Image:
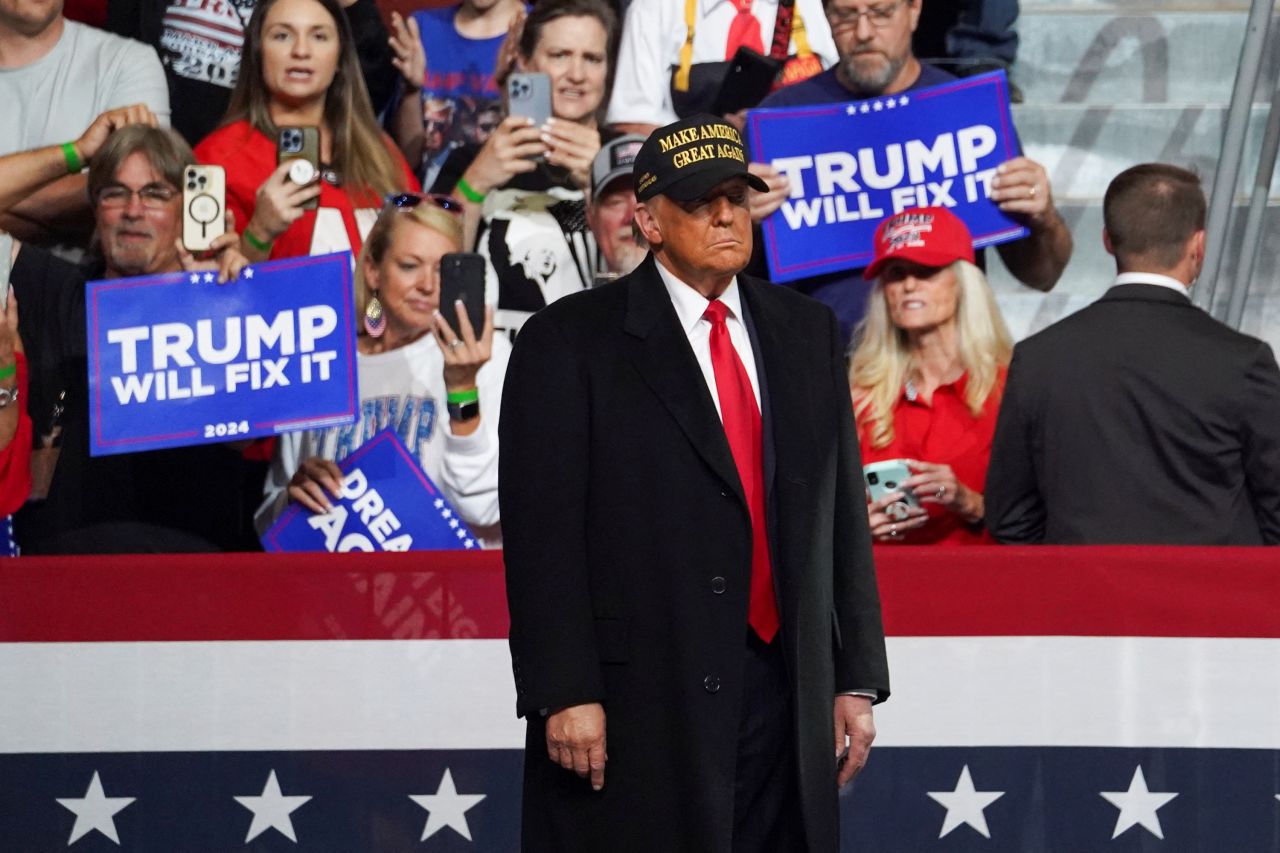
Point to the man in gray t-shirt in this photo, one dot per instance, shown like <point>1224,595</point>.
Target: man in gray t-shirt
<point>55,77</point>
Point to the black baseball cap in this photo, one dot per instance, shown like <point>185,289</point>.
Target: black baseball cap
<point>687,158</point>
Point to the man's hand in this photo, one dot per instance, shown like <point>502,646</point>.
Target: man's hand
<point>763,204</point>
<point>112,120</point>
<point>575,741</point>
<point>855,730</point>
<point>1021,189</point>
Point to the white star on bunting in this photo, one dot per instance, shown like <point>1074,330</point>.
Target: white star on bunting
<point>850,110</point>
<point>965,805</point>
<point>195,278</point>
<point>247,272</point>
<point>1138,805</point>
<point>903,101</point>
<point>95,810</point>
<point>877,106</point>
<point>271,810</point>
<point>208,278</point>
<point>446,807</point>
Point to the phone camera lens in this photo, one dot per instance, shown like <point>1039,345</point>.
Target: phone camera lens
<point>191,185</point>
<point>873,478</point>
<point>890,484</point>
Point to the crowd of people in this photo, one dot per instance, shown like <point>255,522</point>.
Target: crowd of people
<point>1140,420</point>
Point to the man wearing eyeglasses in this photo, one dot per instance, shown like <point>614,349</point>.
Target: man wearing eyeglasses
<point>131,502</point>
<point>874,43</point>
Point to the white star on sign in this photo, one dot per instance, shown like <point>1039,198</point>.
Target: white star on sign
<point>95,810</point>
<point>903,101</point>
<point>877,106</point>
<point>1138,805</point>
<point>965,805</point>
<point>447,808</point>
<point>208,278</point>
<point>850,110</point>
<point>471,543</point>
<point>195,278</point>
<point>271,810</point>
<point>439,503</point>
<point>247,272</point>
<point>891,103</point>
<point>864,109</point>
<point>447,514</point>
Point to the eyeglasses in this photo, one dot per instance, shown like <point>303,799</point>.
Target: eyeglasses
<point>408,201</point>
<point>152,196</point>
<point>878,16</point>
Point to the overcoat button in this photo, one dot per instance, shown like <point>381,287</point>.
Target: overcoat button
<point>711,683</point>
<point>717,585</point>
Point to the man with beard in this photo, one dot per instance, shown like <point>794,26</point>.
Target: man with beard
<point>130,502</point>
<point>874,42</point>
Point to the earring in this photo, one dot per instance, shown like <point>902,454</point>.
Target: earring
<point>375,322</point>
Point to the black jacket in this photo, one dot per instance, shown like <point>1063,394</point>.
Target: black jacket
<point>628,554</point>
<point>1140,419</point>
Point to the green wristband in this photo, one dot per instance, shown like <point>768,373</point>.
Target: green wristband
<point>468,193</point>
<point>6,372</point>
<point>470,395</point>
<point>255,242</point>
<point>69,153</point>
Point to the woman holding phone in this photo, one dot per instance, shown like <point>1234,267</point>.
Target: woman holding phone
<point>437,381</point>
<point>300,70</point>
<point>524,189</point>
<point>927,375</point>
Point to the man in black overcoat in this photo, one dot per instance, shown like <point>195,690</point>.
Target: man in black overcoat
<point>661,716</point>
<point>1140,419</point>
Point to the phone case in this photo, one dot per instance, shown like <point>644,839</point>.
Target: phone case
<point>462,276</point>
<point>529,95</point>
<point>300,143</point>
<point>885,477</point>
<point>204,206</point>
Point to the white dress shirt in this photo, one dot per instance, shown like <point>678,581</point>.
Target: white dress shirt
<point>655,31</point>
<point>690,305</point>
<point>1152,278</point>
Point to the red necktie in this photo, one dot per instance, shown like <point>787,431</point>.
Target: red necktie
<point>744,30</point>
<point>743,428</point>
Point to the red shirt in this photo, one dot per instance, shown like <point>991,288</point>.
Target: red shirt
<point>15,458</point>
<point>943,431</point>
<point>335,226</point>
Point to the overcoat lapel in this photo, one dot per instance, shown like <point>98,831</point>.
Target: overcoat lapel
<point>665,361</point>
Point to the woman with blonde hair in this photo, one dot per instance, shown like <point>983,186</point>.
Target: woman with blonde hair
<point>299,69</point>
<point>438,388</point>
<point>927,375</point>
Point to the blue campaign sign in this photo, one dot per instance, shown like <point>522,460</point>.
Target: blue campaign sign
<point>388,503</point>
<point>179,359</point>
<point>851,165</point>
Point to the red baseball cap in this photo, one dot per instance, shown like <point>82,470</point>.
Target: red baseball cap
<point>929,236</point>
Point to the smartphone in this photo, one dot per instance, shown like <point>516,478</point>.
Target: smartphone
<point>750,77</point>
<point>204,206</point>
<point>301,144</point>
<point>529,95</point>
<point>885,477</point>
<point>462,277</point>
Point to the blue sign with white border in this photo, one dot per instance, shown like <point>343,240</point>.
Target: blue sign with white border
<point>388,503</point>
<point>850,165</point>
<point>178,359</point>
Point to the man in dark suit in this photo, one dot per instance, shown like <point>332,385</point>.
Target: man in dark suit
<point>694,611</point>
<point>1140,419</point>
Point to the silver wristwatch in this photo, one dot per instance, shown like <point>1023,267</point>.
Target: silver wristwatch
<point>7,397</point>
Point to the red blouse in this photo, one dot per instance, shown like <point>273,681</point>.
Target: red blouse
<point>942,431</point>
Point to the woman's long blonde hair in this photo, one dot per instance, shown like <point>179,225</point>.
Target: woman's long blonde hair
<point>359,150</point>
<point>883,362</point>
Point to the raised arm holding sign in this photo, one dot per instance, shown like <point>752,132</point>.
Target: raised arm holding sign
<point>874,42</point>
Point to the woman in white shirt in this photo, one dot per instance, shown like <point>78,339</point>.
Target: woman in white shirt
<point>439,390</point>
